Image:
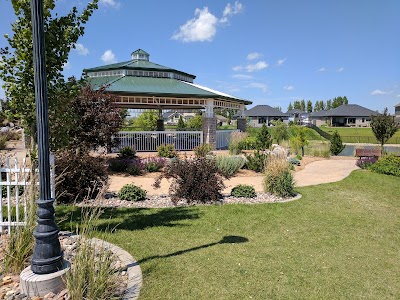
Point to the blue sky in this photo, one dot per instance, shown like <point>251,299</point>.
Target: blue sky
<point>269,52</point>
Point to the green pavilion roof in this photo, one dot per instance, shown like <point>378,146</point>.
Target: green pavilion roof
<point>166,87</point>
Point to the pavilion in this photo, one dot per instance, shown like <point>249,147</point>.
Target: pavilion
<point>141,84</point>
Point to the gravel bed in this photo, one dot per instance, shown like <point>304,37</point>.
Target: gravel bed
<point>164,201</point>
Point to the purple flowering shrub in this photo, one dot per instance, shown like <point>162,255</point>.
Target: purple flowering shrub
<point>366,162</point>
<point>154,164</point>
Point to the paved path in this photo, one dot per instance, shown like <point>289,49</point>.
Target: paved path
<point>323,171</point>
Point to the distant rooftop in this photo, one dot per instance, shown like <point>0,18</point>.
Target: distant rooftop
<point>264,111</point>
<point>345,110</point>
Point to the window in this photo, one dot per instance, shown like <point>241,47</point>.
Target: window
<point>363,120</point>
<point>262,120</point>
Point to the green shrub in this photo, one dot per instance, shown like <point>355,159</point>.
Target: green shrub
<point>278,179</point>
<point>167,150</point>
<point>131,192</point>
<point>256,162</point>
<point>79,176</point>
<point>243,190</point>
<point>229,165</point>
<point>195,180</point>
<point>202,150</point>
<point>389,165</point>
<point>127,152</point>
<point>299,157</point>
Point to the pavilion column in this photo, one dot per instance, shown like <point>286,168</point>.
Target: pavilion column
<point>241,120</point>
<point>210,125</point>
<point>160,121</point>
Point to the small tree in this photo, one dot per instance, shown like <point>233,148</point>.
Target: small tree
<point>336,143</point>
<point>383,127</point>
<point>181,124</point>
<point>280,132</point>
<point>299,140</point>
<point>290,106</point>
<point>264,139</point>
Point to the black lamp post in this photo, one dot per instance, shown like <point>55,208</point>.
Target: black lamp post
<point>47,256</point>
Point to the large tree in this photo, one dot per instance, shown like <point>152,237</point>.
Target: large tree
<point>383,127</point>
<point>16,69</point>
<point>309,106</point>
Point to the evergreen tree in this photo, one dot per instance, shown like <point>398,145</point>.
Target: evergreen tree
<point>345,101</point>
<point>383,127</point>
<point>290,107</point>
<point>278,108</point>
<point>336,143</point>
<point>264,139</point>
<point>181,124</point>
<point>297,105</point>
<point>309,106</point>
<point>303,105</point>
<point>329,104</point>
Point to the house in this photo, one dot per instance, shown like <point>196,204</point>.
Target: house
<point>349,115</point>
<point>172,117</point>
<point>397,112</point>
<point>297,115</point>
<point>261,114</point>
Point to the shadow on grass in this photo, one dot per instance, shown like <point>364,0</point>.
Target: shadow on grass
<point>230,239</point>
<point>69,217</point>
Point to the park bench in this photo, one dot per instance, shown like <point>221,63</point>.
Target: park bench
<point>368,152</point>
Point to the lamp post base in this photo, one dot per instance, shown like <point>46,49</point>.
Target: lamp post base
<point>40,285</point>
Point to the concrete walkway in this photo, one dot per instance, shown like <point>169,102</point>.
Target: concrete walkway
<point>323,171</point>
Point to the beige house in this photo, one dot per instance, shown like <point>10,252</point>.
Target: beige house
<point>346,115</point>
<point>263,114</point>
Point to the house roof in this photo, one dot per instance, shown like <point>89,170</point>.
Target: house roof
<point>345,110</point>
<point>295,111</point>
<point>397,105</point>
<point>263,111</point>
<point>157,87</point>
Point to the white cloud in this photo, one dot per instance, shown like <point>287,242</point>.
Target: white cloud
<point>81,49</point>
<point>398,96</point>
<point>341,69</point>
<point>231,10</point>
<point>280,62</point>
<point>253,55</point>
<point>237,68</point>
<point>67,65</point>
<point>257,85</point>
<point>108,57</point>
<point>257,66</point>
<point>110,3</point>
<point>380,92</point>
<point>321,70</point>
<point>242,76</point>
<point>199,29</point>
<point>288,87</point>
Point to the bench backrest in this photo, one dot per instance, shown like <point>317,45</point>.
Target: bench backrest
<point>368,152</point>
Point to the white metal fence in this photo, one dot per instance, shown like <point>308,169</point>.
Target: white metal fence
<point>15,177</point>
<point>223,138</point>
<point>150,140</point>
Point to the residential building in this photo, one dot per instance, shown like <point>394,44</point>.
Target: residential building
<point>264,114</point>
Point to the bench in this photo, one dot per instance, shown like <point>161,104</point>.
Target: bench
<point>368,152</point>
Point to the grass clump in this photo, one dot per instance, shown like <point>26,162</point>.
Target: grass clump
<point>236,142</point>
<point>131,192</point>
<point>229,165</point>
<point>243,190</point>
<point>93,274</point>
<point>278,179</point>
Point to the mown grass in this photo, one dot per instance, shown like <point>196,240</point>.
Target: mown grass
<point>340,241</point>
<point>359,135</point>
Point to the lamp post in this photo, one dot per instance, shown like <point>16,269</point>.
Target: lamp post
<point>47,256</point>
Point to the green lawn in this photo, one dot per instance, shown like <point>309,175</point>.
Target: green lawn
<point>359,135</point>
<point>340,241</point>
